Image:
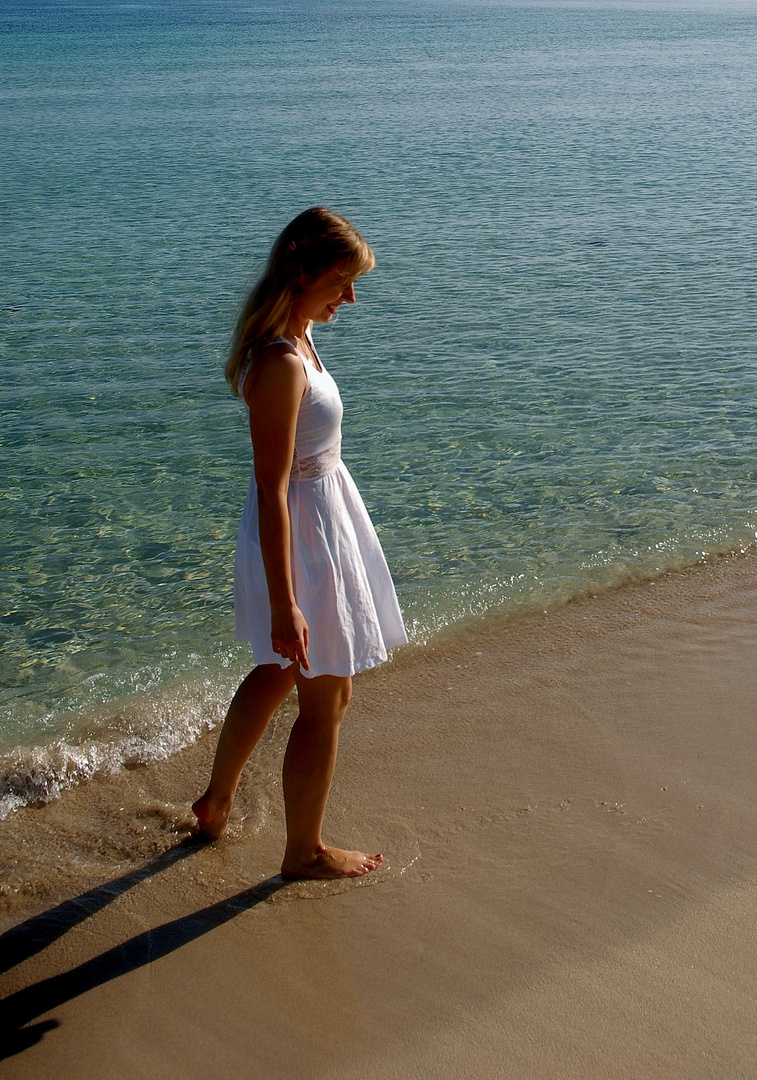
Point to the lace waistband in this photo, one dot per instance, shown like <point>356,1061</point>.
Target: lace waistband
<point>310,468</point>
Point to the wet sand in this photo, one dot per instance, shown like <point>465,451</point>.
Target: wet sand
<point>567,803</point>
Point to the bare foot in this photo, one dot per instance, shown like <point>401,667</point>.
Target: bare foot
<point>329,862</point>
<point>212,816</point>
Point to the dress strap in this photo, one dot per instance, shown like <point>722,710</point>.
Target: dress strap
<point>317,366</point>
<point>305,364</point>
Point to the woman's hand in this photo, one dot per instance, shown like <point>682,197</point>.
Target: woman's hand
<point>289,634</point>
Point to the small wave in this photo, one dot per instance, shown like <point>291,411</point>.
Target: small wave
<point>143,731</point>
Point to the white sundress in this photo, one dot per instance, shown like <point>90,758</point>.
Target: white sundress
<point>340,578</point>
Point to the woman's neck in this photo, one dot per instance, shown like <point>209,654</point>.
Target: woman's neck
<point>298,327</point>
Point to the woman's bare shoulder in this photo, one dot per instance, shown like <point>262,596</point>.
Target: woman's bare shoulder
<point>279,367</point>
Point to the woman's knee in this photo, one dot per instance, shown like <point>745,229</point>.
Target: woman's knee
<point>345,693</point>
<point>325,697</point>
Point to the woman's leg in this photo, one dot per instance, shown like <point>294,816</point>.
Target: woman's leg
<point>308,768</point>
<point>250,711</point>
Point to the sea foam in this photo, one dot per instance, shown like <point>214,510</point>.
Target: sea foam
<point>143,730</point>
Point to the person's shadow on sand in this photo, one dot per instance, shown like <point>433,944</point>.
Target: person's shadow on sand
<point>30,937</point>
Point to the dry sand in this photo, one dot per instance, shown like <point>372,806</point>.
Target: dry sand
<point>568,807</point>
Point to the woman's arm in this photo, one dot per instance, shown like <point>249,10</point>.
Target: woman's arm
<point>273,392</point>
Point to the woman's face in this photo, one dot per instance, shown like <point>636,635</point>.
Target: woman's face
<point>321,296</point>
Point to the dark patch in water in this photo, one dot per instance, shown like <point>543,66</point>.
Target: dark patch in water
<point>18,617</point>
<point>53,635</point>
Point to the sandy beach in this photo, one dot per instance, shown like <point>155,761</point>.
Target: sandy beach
<point>567,805</point>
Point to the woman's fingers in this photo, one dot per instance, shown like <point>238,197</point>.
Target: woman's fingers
<point>294,647</point>
<point>304,662</point>
<point>289,635</point>
<point>301,651</point>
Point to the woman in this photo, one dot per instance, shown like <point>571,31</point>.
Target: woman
<point>313,593</point>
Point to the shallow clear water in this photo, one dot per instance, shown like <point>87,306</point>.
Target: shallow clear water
<point>549,379</point>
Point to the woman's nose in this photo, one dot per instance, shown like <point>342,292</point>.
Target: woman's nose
<point>348,294</point>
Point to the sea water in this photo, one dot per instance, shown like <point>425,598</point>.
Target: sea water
<point>549,379</point>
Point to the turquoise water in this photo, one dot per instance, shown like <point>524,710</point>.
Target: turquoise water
<point>549,379</point>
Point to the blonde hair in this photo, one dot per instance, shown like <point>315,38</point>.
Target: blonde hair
<point>315,242</point>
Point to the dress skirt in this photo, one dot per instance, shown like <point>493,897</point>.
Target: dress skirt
<point>340,577</point>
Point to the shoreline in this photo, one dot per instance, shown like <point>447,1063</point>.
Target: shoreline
<point>149,727</point>
<point>566,804</point>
